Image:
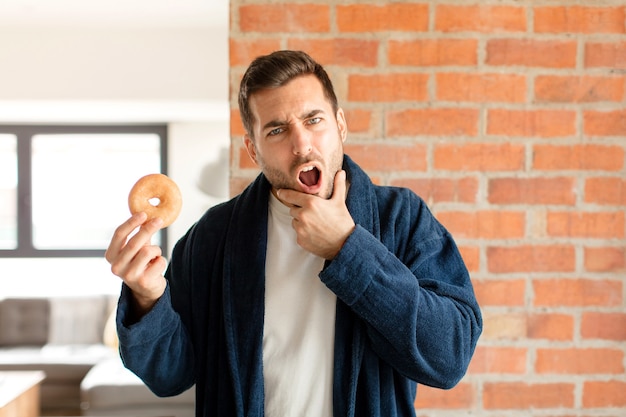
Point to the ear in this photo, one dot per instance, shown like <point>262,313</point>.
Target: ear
<point>250,147</point>
<point>342,125</point>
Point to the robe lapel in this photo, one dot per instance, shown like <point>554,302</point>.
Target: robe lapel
<point>349,332</point>
<point>244,296</point>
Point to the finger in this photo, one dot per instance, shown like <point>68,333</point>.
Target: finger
<point>142,237</point>
<point>121,259</point>
<point>339,188</point>
<point>156,267</point>
<point>147,230</point>
<point>291,197</point>
<point>146,256</point>
<point>120,236</point>
<point>146,264</point>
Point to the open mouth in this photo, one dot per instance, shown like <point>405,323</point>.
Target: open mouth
<point>309,176</point>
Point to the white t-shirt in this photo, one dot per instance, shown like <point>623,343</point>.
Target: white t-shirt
<point>299,326</point>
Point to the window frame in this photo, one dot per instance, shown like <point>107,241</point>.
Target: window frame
<point>24,135</point>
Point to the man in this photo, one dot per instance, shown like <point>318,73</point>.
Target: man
<point>314,292</point>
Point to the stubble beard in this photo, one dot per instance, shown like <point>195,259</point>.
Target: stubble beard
<point>281,180</point>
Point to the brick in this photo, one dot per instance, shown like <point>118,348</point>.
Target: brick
<point>605,259</point>
<point>339,51</point>
<point>438,190</point>
<point>577,293</point>
<point>238,183</point>
<point>479,157</point>
<point>461,397</point>
<point>606,191</point>
<point>586,224</point>
<point>488,224</point>
<point>501,292</point>
<point>376,179</point>
<point>606,326</point>
<point>604,394</point>
<point>291,18</point>
<point>575,361</point>
<point>436,122</point>
<point>504,326</point>
<point>531,123</point>
<point>486,19</point>
<point>605,54</point>
<point>578,89</point>
<point>559,190</point>
<point>388,87</point>
<point>236,126</point>
<point>358,120</point>
<point>498,360</point>
<point>242,52</point>
<point>577,19</point>
<point>524,396</point>
<point>518,326</point>
<point>605,123</point>
<point>387,158</point>
<point>387,17</point>
<point>551,326</point>
<point>433,52</point>
<point>526,258</point>
<point>471,257</point>
<point>578,157</point>
<point>531,53</point>
<point>481,88</point>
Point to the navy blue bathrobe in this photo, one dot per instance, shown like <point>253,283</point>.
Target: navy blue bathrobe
<point>406,311</point>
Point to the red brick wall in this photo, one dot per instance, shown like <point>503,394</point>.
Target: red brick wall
<point>509,119</point>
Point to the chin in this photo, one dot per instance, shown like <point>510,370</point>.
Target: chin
<point>326,193</point>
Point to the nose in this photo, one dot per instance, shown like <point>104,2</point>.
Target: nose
<point>301,141</point>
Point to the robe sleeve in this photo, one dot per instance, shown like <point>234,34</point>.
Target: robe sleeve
<point>157,348</point>
<point>412,290</point>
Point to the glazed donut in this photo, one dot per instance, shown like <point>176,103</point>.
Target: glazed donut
<point>160,188</point>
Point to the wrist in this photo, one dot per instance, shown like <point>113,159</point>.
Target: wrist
<point>143,303</point>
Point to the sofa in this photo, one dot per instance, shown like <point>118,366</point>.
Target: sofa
<point>109,389</point>
<point>72,340</point>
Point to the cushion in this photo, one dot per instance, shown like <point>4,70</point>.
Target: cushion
<point>64,366</point>
<point>78,320</point>
<point>70,362</point>
<point>110,337</point>
<point>24,322</point>
<point>110,385</point>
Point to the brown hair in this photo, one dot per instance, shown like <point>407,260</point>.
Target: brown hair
<point>275,70</point>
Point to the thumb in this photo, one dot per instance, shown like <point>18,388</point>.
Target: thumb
<point>339,188</point>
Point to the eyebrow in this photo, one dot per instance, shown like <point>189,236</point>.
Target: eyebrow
<point>278,123</point>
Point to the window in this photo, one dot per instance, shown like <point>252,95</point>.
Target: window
<point>64,189</point>
<point>8,191</point>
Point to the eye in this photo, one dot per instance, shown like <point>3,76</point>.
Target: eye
<point>276,131</point>
<point>314,120</point>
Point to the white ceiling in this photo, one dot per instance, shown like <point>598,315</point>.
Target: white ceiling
<point>126,13</point>
<point>31,30</point>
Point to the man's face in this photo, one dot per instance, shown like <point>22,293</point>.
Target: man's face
<point>298,141</point>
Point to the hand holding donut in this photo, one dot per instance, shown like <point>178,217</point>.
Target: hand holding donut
<point>137,262</point>
<point>134,259</point>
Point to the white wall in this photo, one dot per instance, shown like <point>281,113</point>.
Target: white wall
<point>173,75</point>
<point>199,164</point>
<point>99,63</point>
